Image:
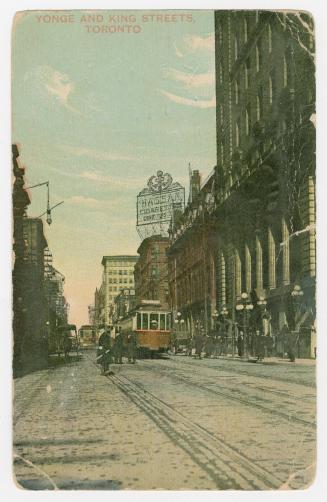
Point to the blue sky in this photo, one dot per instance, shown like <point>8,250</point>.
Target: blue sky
<point>97,115</point>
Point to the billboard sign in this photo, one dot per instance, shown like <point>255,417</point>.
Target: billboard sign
<point>155,203</point>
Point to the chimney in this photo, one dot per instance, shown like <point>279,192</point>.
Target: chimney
<point>195,184</point>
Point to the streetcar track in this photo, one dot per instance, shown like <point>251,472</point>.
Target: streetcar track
<point>236,398</point>
<point>246,373</point>
<point>246,384</point>
<point>223,463</point>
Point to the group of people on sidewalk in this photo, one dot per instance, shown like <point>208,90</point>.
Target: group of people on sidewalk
<point>214,345</point>
<point>111,350</point>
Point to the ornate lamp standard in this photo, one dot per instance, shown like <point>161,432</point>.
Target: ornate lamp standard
<point>224,316</point>
<point>297,298</point>
<point>262,303</point>
<point>244,304</point>
<point>179,321</point>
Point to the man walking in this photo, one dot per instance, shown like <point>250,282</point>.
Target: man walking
<point>132,347</point>
<point>119,348</point>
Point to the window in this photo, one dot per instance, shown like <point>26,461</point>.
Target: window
<point>120,272</point>
<point>236,87</point>
<point>285,71</point>
<point>125,280</point>
<point>145,321</point>
<point>259,104</point>
<point>271,88</point>
<point>269,38</point>
<point>131,281</point>
<point>110,280</point>
<point>247,71</point>
<point>236,47</point>
<point>154,321</point>
<point>247,120</point>
<point>120,280</point>
<point>162,322</point>
<point>246,30</point>
<point>258,55</point>
<point>138,320</point>
<point>237,133</point>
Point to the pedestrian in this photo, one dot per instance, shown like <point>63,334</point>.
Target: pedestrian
<point>199,345</point>
<point>240,344</point>
<point>189,346</point>
<point>118,350</point>
<point>104,356</point>
<point>131,347</point>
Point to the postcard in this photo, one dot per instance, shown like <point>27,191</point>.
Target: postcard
<point>164,271</point>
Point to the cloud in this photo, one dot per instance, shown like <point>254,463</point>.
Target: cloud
<point>95,154</point>
<point>191,79</point>
<point>93,204</point>
<point>178,53</point>
<point>56,84</point>
<point>112,180</point>
<point>194,42</point>
<point>195,102</point>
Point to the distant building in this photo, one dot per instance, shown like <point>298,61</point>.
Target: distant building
<point>151,271</point>
<point>118,273</point>
<point>124,302</point>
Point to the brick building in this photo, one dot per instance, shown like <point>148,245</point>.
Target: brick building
<point>254,216</point>
<point>151,270</point>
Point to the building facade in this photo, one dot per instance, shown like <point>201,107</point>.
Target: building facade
<point>253,223</point>
<point>151,270</point>
<point>124,303</point>
<point>118,274</point>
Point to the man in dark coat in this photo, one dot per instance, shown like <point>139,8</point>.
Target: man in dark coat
<point>199,345</point>
<point>132,347</point>
<point>104,351</point>
<point>119,348</point>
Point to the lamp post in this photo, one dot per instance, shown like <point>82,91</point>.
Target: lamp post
<point>179,322</point>
<point>297,298</point>
<point>49,209</point>
<point>262,302</point>
<point>224,316</point>
<point>244,304</point>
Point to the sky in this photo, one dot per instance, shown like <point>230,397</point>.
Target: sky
<point>97,113</point>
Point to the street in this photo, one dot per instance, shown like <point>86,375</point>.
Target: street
<point>170,423</point>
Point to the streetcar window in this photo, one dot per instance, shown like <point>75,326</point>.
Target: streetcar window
<point>162,322</point>
<point>138,321</point>
<point>145,321</point>
<point>154,321</point>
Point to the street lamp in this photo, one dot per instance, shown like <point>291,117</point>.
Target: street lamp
<point>244,304</point>
<point>224,315</point>
<point>49,209</point>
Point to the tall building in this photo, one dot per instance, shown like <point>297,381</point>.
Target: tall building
<point>118,274</point>
<point>253,222</point>
<point>151,271</point>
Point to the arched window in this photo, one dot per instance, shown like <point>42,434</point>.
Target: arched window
<point>259,104</point>
<point>247,120</point>
<point>258,55</point>
<point>246,30</point>
<point>237,134</point>
<point>271,88</point>
<point>269,38</point>
<point>236,47</point>
<point>285,71</point>
<point>247,71</point>
<point>237,90</point>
